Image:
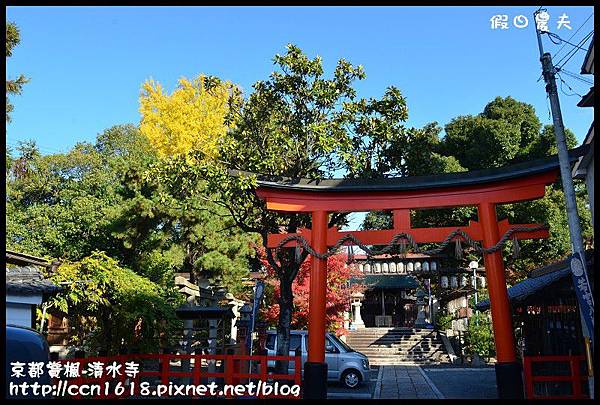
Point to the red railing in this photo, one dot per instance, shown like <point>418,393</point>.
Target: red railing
<point>575,377</point>
<point>236,370</point>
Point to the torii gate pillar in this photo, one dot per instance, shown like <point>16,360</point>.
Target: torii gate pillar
<point>508,370</point>
<point>315,369</point>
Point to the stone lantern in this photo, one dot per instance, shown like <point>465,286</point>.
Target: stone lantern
<point>357,322</point>
<point>421,321</point>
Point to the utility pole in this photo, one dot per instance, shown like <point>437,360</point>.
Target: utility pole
<point>578,261</point>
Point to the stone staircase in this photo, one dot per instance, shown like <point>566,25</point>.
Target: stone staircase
<point>389,346</point>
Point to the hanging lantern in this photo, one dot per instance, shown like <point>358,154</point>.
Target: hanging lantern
<point>401,268</point>
<point>444,281</point>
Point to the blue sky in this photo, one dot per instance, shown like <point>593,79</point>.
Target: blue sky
<point>86,64</point>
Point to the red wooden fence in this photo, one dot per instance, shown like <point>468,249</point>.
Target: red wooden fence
<point>235,371</point>
<point>575,377</point>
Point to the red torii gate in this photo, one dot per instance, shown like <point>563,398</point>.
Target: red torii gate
<point>484,189</point>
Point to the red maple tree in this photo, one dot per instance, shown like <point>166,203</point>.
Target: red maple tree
<point>339,292</point>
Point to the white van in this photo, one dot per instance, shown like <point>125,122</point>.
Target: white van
<point>344,364</point>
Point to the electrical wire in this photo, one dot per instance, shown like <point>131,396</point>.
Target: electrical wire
<point>567,84</point>
<point>569,55</point>
<point>575,76</point>
<point>553,35</point>
<point>572,53</point>
<point>571,37</point>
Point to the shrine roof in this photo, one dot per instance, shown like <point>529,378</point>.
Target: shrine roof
<point>387,281</point>
<point>445,180</point>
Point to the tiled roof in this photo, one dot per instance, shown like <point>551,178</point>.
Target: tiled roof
<point>28,280</point>
<point>529,286</point>
<point>540,278</point>
<point>387,281</point>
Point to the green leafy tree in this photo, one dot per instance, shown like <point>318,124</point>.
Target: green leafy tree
<point>69,198</point>
<point>13,87</point>
<point>506,132</point>
<point>117,196</point>
<point>111,308</point>
<point>170,212</point>
<point>298,123</point>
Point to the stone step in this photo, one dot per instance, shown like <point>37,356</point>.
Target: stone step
<point>397,357</point>
<point>391,331</point>
<point>387,354</point>
<point>391,346</point>
<point>390,341</point>
<point>395,344</point>
<point>391,337</point>
<point>408,363</point>
<point>398,349</point>
<point>421,357</point>
<point>357,346</point>
<point>404,337</point>
<point>392,334</point>
<point>386,362</point>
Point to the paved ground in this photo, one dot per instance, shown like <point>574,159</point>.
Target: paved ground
<point>422,382</point>
<point>364,391</point>
<point>463,383</point>
<point>404,382</point>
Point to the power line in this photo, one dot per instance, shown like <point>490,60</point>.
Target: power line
<point>575,76</point>
<point>553,35</point>
<point>567,84</point>
<point>571,37</point>
<point>571,53</point>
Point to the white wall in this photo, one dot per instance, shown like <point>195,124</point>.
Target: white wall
<point>19,314</point>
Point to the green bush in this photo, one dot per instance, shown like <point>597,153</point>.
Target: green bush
<point>480,337</point>
<point>110,307</point>
<point>443,320</point>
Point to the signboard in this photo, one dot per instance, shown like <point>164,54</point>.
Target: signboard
<point>584,292</point>
<point>259,289</point>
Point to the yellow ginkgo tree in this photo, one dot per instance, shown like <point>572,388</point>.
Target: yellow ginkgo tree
<point>190,118</point>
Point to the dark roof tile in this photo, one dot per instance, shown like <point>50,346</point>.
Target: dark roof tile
<point>28,280</point>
